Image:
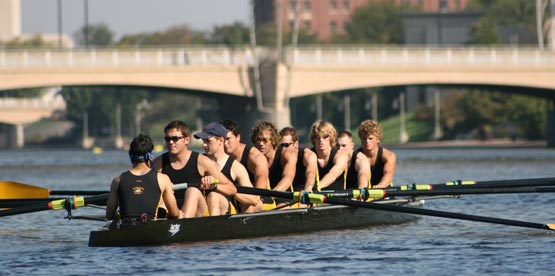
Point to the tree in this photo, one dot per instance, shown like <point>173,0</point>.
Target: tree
<point>377,22</point>
<point>175,35</point>
<point>94,35</point>
<point>234,35</point>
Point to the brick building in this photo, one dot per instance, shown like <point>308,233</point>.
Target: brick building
<point>328,17</point>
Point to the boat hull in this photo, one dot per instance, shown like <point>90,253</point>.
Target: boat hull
<point>269,223</point>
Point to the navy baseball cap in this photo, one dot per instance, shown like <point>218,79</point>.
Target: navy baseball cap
<point>211,129</point>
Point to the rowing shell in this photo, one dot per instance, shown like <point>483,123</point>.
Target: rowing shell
<point>240,226</point>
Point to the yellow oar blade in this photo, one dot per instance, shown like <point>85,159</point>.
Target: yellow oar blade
<point>15,190</point>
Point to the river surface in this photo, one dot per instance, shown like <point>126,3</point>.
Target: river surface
<point>44,243</point>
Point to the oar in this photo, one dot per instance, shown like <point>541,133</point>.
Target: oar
<point>531,182</point>
<point>67,203</point>
<point>11,203</point>
<point>381,193</point>
<point>16,190</point>
<point>13,190</point>
<point>59,204</point>
<point>317,198</point>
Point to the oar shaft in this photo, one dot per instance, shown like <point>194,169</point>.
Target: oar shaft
<point>530,182</point>
<point>73,192</point>
<point>465,191</point>
<point>434,213</point>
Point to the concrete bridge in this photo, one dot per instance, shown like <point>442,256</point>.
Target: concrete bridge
<point>305,71</point>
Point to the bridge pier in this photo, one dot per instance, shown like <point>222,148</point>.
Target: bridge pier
<point>16,136</point>
<point>550,131</point>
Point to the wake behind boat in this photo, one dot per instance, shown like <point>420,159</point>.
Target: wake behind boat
<point>241,226</point>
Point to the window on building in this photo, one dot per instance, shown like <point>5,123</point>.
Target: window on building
<point>333,5</point>
<point>293,5</point>
<point>307,6</point>
<point>306,24</point>
<point>442,5</point>
<point>333,27</point>
<point>457,5</point>
<point>346,5</point>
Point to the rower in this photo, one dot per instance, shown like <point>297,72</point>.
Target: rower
<point>382,161</point>
<point>138,191</point>
<point>306,169</point>
<point>358,169</point>
<point>332,164</point>
<point>250,157</point>
<point>183,165</point>
<point>282,163</point>
<point>213,139</point>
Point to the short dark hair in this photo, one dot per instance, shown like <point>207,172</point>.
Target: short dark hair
<point>140,149</point>
<point>289,131</point>
<point>179,126</point>
<point>231,126</point>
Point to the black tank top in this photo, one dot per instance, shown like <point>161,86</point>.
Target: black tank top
<point>245,160</point>
<point>377,169</point>
<point>226,170</point>
<point>300,172</point>
<point>188,174</point>
<point>276,170</point>
<point>138,195</point>
<point>352,174</point>
<point>339,182</point>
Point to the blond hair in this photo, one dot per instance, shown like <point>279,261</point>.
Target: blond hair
<point>321,128</point>
<point>370,127</point>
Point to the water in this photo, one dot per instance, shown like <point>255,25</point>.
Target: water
<point>44,243</point>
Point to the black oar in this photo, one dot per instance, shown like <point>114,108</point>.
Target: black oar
<point>59,204</point>
<point>381,193</point>
<point>318,198</point>
<point>11,203</point>
<point>531,182</point>
<point>435,213</point>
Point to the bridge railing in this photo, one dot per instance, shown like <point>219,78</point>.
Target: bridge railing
<point>121,57</point>
<point>419,56</point>
<point>308,55</point>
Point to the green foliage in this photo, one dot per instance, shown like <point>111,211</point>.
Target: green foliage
<point>234,35</point>
<point>98,35</point>
<point>465,113</point>
<point>36,41</point>
<point>176,35</point>
<point>377,23</point>
<point>516,14</point>
<point>484,32</point>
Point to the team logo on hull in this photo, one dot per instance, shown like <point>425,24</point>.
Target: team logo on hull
<point>174,229</point>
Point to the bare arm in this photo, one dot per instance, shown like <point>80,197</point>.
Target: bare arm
<point>241,178</point>
<point>289,164</point>
<point>166,186</point>
<point>258,165</point>
<point>340,163</point>
<point>207,167</point>
<point>362,166</point>
<point>390,163</point>
<point>157,164</point>
<point>311,163</point>
<point>112,204</point>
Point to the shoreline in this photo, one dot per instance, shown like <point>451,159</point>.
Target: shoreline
<point>495,143</point>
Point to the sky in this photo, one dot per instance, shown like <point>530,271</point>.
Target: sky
<point>130,16</point>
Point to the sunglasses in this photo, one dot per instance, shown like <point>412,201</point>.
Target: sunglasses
<point>263,139</point>
<point>173,138</point>
<point>325,136</point>
<point>286,145</point>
